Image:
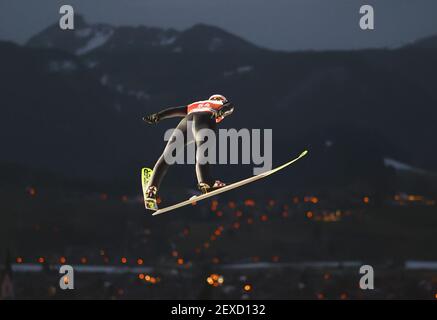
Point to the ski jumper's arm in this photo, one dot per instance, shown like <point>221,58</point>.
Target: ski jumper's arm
<point>166,114</point>
<point>172,112</point>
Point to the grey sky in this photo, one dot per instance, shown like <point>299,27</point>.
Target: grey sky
<point>279,24</point>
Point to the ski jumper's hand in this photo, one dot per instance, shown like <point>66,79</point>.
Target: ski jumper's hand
<point>166,114</point>
<point>151,119</point>
<point>225,110</point>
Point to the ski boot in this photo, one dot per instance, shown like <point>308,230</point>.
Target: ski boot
<point>205,188</point>
<point>150,200</point>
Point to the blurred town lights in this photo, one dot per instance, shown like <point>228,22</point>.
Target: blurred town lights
<point>31,191</point>
<point>249,203</point>
<point>215,280</point>
<point>247,287</point>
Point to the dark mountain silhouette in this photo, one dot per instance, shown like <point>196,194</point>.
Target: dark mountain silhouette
<point>425,43</point>
<point>78,111</point>
<point>88,38</point>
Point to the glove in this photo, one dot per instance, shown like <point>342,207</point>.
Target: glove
<point>225,110</point>
<point>151,119</point>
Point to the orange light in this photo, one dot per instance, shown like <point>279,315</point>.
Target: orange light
<point>249,203</point>
<point>214,204</point>
<point>31,191</point>
<point>217,232</point>
<point>158,200</point>
<point>66,280</point>
<point>309,214</point>
<point>296,200</point>
<point>83,260</point>
<point>215,280</point>
<point>213,238</point>
<point>206,245</point>
<point>247,287</point>
<point>19,260</point>
<point>140,261</point>
<point>320,296</point>
<point>215,260</point>
<point>147,277</point>
<point>62,260</point>
<point>124,198</point>
<point>366,200</point>
<point>180,261</point>
<point>174,253</point>
<point>343,296</point>
<point>123,260</point>
<point>236,225</point>
<point>41,260</point>
<point>141,276</point>
<point>264,218</point>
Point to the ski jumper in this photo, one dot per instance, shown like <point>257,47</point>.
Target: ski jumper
<point>202,115</point>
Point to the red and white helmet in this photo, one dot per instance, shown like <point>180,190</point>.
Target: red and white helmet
<point>218,97</point>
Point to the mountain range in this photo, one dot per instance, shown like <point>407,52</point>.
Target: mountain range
<point>72,101</point>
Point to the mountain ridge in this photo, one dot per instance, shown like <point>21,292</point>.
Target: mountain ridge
<point>87,38</point>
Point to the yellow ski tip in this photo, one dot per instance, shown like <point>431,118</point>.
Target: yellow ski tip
<point>303,154</point>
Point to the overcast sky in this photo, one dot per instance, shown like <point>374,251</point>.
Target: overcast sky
<point>278,24</point>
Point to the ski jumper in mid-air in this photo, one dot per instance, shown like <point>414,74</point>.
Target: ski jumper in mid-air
<point>203,115</point>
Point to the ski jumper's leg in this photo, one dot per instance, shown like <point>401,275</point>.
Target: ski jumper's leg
<point>161,165</point>
<point>202,120</point>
